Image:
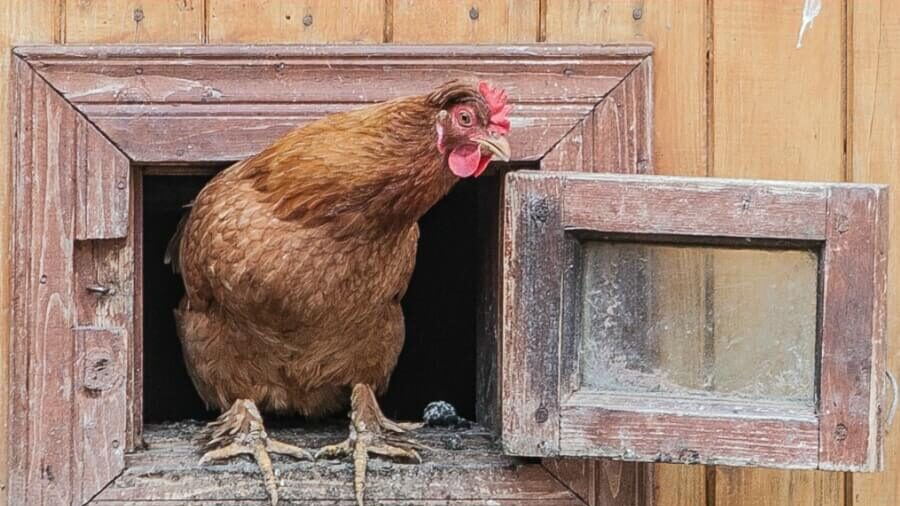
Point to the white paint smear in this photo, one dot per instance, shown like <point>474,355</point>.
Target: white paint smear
<point>811,9</point>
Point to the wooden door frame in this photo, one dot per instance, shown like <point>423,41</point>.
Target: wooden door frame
<point>87,118</point>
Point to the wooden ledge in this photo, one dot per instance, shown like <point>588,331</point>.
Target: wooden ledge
<point>464,467</point>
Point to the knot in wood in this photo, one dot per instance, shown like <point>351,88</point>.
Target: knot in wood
<point>843,223</point>
<point>99,370</point>
<point>540,210</point>
<point>841,432</point>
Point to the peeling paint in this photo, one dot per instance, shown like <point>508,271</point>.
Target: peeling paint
<point>811,9</point>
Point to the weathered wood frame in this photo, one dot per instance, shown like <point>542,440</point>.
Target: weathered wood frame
<point>546,414</point>
<point>87,120</point>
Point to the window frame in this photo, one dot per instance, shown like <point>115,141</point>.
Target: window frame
<point>545,415</point>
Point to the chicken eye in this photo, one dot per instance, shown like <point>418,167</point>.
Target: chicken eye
<point>465,119</point>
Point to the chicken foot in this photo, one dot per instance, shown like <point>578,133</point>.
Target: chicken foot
<point>240,431</point>
<point>371,433</point>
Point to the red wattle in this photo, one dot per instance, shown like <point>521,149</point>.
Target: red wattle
<point>482,164</point>
<point>465,160</point>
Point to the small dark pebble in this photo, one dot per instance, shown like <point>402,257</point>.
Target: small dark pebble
<point>443,414</point>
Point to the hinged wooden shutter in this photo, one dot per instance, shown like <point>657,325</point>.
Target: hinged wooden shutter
<point>585,257</point>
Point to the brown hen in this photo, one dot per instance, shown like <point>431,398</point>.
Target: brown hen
<point>295,261</point>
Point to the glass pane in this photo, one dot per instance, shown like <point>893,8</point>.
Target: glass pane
<point>715,322</point>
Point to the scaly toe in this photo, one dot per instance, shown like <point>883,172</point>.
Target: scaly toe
<point>281,448</point>
<point>335,451</point>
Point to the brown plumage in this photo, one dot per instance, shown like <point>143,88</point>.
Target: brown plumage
<point>295,260</point>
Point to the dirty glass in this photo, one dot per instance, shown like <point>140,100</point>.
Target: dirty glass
<point>698,321</point>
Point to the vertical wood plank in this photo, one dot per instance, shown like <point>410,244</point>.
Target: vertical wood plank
<point>41,463</point>
<point>874,142</point>
<point>777,488</point>
<point>679,80</point>
<point>678,32</point>
<point>307,21</point>
<point>21,22</point>
<point>777,114</point>
<point>134,21</point>
<point>456,21</point>
<point>778,108</point>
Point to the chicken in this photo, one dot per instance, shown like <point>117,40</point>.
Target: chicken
<point>295,261</point>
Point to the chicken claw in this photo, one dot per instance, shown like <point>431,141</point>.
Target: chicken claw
<point>240,431</point>
<point>371,432</point>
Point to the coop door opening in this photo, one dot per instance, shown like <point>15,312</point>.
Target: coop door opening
<point>441,306</point>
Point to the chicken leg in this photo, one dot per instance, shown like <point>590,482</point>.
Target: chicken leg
<point>371,432</point>
<point>240,431</point>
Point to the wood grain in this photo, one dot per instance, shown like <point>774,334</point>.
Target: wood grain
<point>853,325</point>
<point>41,374</point>
<point>21,22</point>
<point>491,21</point>
<point>475,472</point>
<point>232,132</point>
<point>778,109</point>
<point>777,113</point>
<point>622,126</point>
<point>541,283</point>
<point>102,175</point>
<point>59,373</point>
<point>872,146</point>
<point>668,205</point>
<point>100,408</point>
<point>663,437</point>
<point>103,280</point>
<point>304,21</point>
<point>874,140</point>
<point>133,21</point>
<point>533,263</point>
<point>679,33</point>
<point>235,102</point>
<point>772,487</point>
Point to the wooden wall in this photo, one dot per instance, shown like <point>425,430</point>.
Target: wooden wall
<point>735,97</point>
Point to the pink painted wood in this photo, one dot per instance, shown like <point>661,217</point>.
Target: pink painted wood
<point>847,221</point>
<point>89,117</point>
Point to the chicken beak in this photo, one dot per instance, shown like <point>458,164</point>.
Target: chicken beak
<point>497,145</point>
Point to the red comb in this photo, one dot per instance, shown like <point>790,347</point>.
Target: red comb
<point>496,101</point>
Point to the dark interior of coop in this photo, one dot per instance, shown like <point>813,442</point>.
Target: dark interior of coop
<point>443,308</point>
